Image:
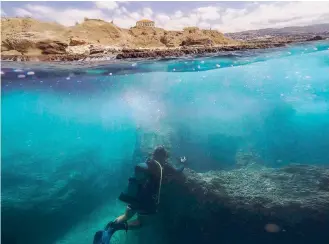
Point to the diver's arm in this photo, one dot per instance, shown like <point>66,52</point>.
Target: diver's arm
<point>182,160</point>
<point>178,169</point>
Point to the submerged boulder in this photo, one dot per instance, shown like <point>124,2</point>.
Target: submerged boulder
<point>46,203</point>
<point>242,205</point>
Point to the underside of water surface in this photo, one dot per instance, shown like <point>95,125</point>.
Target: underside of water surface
<point>72,132</point>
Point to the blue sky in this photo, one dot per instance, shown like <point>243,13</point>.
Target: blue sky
<point>224,16</point>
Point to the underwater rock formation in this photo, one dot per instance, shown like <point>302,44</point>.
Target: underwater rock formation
<point>44,205</point>
<point>235,206</point>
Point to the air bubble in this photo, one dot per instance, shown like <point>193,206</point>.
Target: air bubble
<point>30,73</point>
<point>218,65</point>
<point>21,76</point>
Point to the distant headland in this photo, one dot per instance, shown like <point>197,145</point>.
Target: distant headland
<point>29,39</point>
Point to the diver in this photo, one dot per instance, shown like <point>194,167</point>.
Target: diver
<point>143,194</point>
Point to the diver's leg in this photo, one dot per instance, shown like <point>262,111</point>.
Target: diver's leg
<point>122,219</point>
<point>141,221</point>
<point>126,216</point>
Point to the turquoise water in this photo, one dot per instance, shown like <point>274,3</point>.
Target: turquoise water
<point>70,132</point>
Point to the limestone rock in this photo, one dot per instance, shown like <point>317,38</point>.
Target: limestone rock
<point>316,38</point>
<point>296,198</point>
<point>78,50</point>
<point>96,49</point>
<point>46,197</point>
<point>20,42</point>
<point>11,53</point>
<point>52,47</point>
<point>77,42</point>
<point>197,41</point>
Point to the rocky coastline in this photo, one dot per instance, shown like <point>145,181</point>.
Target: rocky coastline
<point>104,53</point>
<point>29,39</point>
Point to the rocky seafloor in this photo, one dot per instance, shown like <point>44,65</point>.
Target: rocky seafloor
<point>225,206</point>
<point>235,206</point>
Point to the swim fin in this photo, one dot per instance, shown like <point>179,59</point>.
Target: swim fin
<point>103,236</point>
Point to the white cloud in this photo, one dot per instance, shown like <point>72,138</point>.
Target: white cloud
<point>178,14</point>
<point>136,16</point>
<point>124,10</point>
<point>118,11</point>
<point>106,5</point>
<point>66,17</point>
<point>204,25</point>
<point>124,22</point>
<point>3,13</point>
<point>162,19</point>
<point>147,11</point>
<point>39,9</point>
<point>208,13</point>
<point>252,16</point>
<point>273,15</point>
<point>22,12</point>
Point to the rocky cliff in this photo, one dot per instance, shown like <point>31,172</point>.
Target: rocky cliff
<point>24,36</point>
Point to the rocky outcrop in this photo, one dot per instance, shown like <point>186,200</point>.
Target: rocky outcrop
<point>75,189</point>
<point>97,49</point>
<point>52,47</point>
<point>78,50</point>
<point>21,42</point>
<point>77,42</point>
<point>58,51</point>
<point>11,53</point>
<point>179,52</point>
<point>236,206</point>
<point>316,38</point>
<point>197,41</point>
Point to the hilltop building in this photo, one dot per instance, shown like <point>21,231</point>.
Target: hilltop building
<point>145,23</point>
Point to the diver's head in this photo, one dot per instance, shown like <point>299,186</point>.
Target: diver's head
<point>160,154</point>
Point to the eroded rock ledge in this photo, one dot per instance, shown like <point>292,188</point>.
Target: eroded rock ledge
<point>234,206</point>
<point>93,52</point>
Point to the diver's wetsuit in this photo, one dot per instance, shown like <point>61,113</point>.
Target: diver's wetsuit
<point>143,195</point>
<point>147,179</point>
